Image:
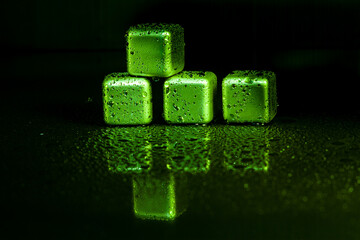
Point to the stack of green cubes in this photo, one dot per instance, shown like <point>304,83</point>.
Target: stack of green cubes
<point>157,51</point>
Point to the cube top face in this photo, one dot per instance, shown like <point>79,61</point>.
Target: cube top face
<point>249,97</point>
<point>155,50</point>
<point>251,75</point>
<point>188,97</point>
<point>127,100</point>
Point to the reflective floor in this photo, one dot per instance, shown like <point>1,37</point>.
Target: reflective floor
<point>295,165</point>
<point>296,178</point>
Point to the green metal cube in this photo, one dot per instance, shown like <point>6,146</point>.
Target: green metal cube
<point>249,97</point>
<point>127,100</point>
<point>155,50</point>
<point>188,97</point>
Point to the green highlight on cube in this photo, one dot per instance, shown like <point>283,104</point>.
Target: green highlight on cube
<point>189,97</point>
<point>155,50</point>
<point>249,97</point>
<point>127,100</point>
<point>158,51</point>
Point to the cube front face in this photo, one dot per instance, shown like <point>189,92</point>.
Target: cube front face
<point>155,50</point>
<point>127,100</point>
<point>188,97</point>
<point>249,97</point>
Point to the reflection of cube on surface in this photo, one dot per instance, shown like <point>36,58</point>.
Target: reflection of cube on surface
<point>188,149</point>
<point>189,96</point>
<point>129,151</point>
<point>158,196</point>
<point>250,150</point>
<point>155,50</point>
<point>127,99</point>
<point>249,97</point>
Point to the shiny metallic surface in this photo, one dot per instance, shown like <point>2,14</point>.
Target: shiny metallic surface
<point>127,99</point>
<point>155,50</point>
<point>189,97</point>
<point>249,97</point>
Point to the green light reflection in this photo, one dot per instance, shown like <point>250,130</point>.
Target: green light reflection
<point>248,149</point>
<point>159,196</point>
<point>128,150</point>
<point>158,159</point>
<point>188,148</point>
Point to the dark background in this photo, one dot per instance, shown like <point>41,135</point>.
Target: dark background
<point>54,59</point>
<point>67,47</point>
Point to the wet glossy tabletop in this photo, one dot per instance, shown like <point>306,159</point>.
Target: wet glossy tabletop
<point>236,180</point>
